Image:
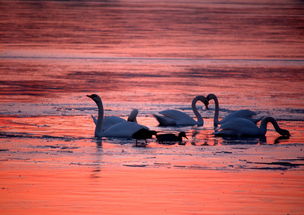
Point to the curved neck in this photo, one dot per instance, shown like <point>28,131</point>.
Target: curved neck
<point>200,121</point>
<point>216,112</point>
<point>264,123</point>
<point>98,128</point>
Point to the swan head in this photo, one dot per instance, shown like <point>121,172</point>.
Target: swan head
<point>203,99</point>
<point>95,98</point>
<point>281,131</point>
<point>284,133</point>
<point>211,96</point>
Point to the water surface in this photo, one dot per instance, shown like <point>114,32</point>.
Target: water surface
<point>151,56</point>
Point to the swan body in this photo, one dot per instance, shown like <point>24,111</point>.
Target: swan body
<point>124,130</point>
<point>245,127</point>
<point>121,129</point>
<point>247,114</point>
<point>175,117</point>
<point>178,118</point>
<point>109,121</point>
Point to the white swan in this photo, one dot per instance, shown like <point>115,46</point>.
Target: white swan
<point>245,127</point>
<point>178,118</point>
<point>247,114</point>
<point>122,129</point>
<point>109,121</point>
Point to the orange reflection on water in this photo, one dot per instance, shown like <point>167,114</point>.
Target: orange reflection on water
<point>55,126</point>
<point>166,28</point>
<point>29,189</point>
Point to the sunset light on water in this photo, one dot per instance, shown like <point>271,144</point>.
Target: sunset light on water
<point>151,56</point>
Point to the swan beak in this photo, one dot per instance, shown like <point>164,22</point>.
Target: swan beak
<point>90,96</point>
<point>286,133</point>
<point>206,105</point>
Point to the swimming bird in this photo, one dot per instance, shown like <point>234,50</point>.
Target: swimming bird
<point>171,137</point>
<point>109,121</point>
<point>245,127</point>
<point>178,118</point>
<point>247,114</point>
<point>143,134</point>
<point>123,129</point>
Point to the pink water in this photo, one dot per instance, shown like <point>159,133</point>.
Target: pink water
<point>151,56</point>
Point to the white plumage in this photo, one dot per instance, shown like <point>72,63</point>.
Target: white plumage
<point>245,127</point>
<point>247,114</point>
<point>109,121</point>
<point>114,126</point>
<point>178,118</point>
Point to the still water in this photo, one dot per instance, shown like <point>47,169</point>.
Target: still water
<point>151,56</point>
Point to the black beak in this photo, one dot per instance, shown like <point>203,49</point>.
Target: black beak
<point>206,105</point>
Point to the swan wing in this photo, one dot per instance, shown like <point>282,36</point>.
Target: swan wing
<point>164,121</point>
<point>238,114</point>
<point>109,121</point>
<point>124,129</point>
<point>179,117</point>
<point>226,132</point>
<point>240,127</point>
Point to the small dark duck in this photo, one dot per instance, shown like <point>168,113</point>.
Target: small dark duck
<point>161,138</point>
<point>143,134</point>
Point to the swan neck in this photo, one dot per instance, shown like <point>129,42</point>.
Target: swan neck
<point>98,128</point>
<point>217,109</point>
<point>200,121</point>
<point>266,120</point>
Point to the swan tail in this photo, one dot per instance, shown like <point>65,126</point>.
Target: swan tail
<point>133,115</point>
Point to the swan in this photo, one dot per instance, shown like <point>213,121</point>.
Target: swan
<point>123,129</point>
<point>178,118</point>
<point>109,121</point>
<point>247,114</point>
<point>245,127</point>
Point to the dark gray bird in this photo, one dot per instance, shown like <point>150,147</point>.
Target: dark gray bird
<point>171,137</point>
<point>143,134</point>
